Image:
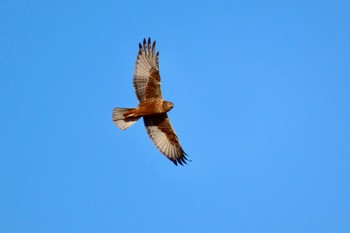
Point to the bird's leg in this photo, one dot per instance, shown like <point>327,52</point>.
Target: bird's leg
<point>130,114</point>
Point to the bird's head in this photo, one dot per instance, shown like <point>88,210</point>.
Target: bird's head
<point>168,105</point>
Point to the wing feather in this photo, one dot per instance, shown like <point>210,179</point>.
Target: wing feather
<point>146,75</point>
<point>164,137</point>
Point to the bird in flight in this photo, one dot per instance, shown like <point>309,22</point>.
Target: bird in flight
<point>151,106</point>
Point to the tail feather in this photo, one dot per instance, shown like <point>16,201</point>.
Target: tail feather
<point>120,120</point>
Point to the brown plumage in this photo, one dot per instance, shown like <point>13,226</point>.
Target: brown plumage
<point>151,106</point>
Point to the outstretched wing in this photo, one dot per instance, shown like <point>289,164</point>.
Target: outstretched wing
<point>164,138</point>
<point>146,75</point>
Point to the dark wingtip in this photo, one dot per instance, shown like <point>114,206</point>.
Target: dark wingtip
<point>182,161</point>
<point>147,44</point>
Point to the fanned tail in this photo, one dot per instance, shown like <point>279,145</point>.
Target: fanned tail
<point>121,120</point>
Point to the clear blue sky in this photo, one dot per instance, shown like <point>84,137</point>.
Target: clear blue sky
<point>262,107</point>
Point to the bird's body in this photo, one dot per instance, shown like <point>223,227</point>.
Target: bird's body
<point>151,106</point>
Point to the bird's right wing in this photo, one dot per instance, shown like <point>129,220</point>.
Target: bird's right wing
<point>146,75</point>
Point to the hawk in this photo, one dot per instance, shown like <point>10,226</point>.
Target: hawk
<point>151,106</point>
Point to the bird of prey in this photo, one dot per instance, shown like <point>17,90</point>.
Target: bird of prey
<point>151,106</point>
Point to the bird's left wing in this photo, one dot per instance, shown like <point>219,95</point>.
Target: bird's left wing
<point>164,138</point>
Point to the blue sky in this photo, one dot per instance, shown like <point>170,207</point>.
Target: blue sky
<point>262,107</point>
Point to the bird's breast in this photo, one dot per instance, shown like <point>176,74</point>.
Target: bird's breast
<point>151,107</point>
